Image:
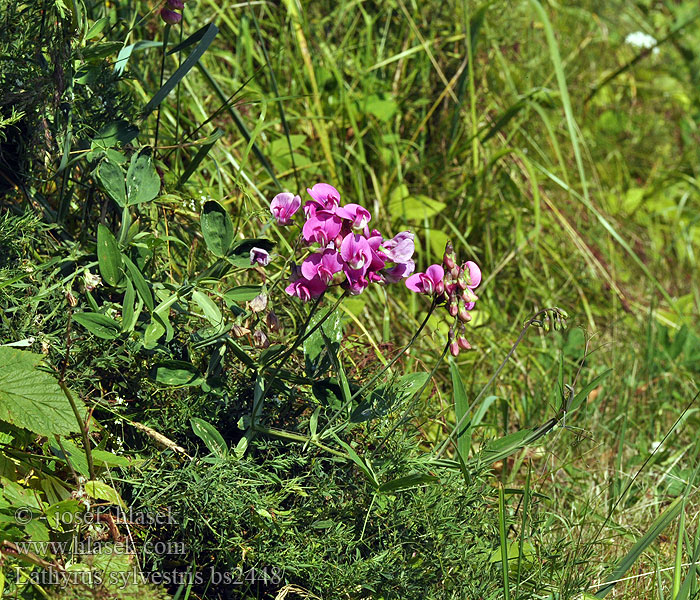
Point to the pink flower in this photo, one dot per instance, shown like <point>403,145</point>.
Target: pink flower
<point>284,206</point>
<point>260,256</point>
<point>323,265</point>
<point>357,215</point>
<point>306,289</point>
<point>400,248</point>
<point>325,196</point>
<point>170,16</point>
<point>429,282</point>
<point>356,252</point>
<point>398,272</point>
<point>356,282</point>
<point>322,227</point>
<point>474,274</point>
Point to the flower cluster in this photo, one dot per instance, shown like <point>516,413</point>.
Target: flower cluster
<point>453,286</point>
<point>344,251</point>
<point>169,13</point>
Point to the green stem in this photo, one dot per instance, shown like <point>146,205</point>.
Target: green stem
<point>83,429</point>
<point>296,437</point>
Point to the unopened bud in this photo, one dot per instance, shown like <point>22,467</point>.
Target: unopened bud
<point>273,322</point>
<point>464,314</point>
<point>454,348</point>
<point>71,299</point>
<point>439,288</point>
<point>453,308</point>
<point>259,303</point>
<point>463,343</point>
<point>260,339</point>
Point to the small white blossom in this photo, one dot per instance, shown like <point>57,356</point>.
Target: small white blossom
<point>639,39</point>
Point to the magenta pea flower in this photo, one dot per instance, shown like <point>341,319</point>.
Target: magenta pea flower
<point>474,272</point>
<point>259,256</point>
<point>322,227</point>
<point>398,272</point>
<point>356,282</point>
<point>325,196</point>
<point>357,215</point>
<point>284,206</point>
<point>400,248</point>
<point>429,282</point>
<point>323,265</point>
<point>356,252</point>
<point>305,289</point>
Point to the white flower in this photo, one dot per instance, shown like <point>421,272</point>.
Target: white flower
<point>639,39</point>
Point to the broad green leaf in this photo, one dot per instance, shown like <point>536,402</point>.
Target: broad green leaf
<point>111,176</point>
<point>333,329</point>
<point>412,208</point>
<point>209,308</point>
<point>108,256</point>
<point>142,180</point>
<point>242,293</point>
<point>102,458</point>
<point>175,372</point>
<point>100,325</point>
<point>101,491</point>
<point>128,314</point>
<point>31,398</point>
<point>139,282</point>
<point>117,132</point>
<point>217,228</point>
<point>210,436</point>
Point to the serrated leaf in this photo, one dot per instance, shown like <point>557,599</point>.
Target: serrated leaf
<point>217,228</point>
<point>142,180</point>
<point>101,491</point>
<point>100,325</point>
<point>111,176</point>
<point>175,372</point>
<point>109,256</point>
<point>31,398</point>
<point>210,436</point>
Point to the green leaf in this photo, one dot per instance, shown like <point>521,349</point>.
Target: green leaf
<point>175,372</point>
<point>625,564</point>
<point>97,324</point>
<point>412,208</point>
<point>210,436</point>
<point>102,458</point>
<point>128,315</point>
<point>117,132</point>
<point>386,397</point>
<point>217,228</point>
<point>205,36</point>
<point>242,293</point>
<point>407,482</point>
<point>139,282</point>
<point>111,176</point>
<point>209,308</point>
<point>239,255</point>
<point>108,256</point>
<point>31,398</point>
<point>142,180</point>
<point>101,491</point>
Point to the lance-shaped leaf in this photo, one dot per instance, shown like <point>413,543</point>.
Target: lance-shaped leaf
<point>109,256</point>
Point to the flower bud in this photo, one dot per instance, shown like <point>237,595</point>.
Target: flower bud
<point>453,308</point>
<point>260,339</point>
<point>170,16</point>
<point>454,348</point>
<point>464,315</point>
<point>439,288</point>
<point>463,343</point>
<point>273,322</point>
<point>259,303</point>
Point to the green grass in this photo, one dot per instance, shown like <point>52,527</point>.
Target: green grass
<point>559,157</point>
